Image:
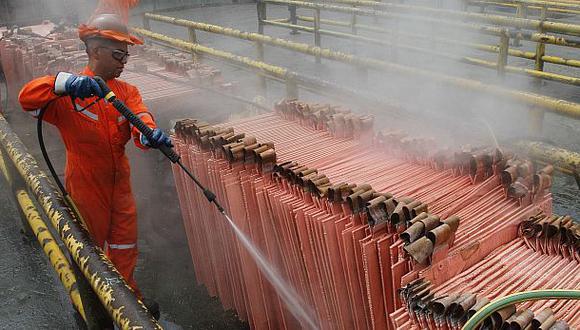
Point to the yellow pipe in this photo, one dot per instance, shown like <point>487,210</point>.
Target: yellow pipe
<point>524,71</point>
<point>558,106</point>
<point>560,157</point>
<point>495,3</point>
<point>289,26</point>
<point>276,71</point>
<point>561,61</point>
<point>523,23</point>
<point>511,5</point>
<point>539,3</point>
<point>57,259</point>
<point>282,20</point>
<point>557,168</point>
<point>554,40</point>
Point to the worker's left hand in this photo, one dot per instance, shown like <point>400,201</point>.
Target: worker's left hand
<point>82,87</point>
<point>159,138</point>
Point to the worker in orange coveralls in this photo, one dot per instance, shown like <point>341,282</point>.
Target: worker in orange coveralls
<point>97,171</point>
<point>119,7</point>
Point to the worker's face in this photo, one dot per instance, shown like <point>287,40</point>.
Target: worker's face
<point>110,58</point>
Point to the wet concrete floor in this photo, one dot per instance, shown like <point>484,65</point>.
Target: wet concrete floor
<point>31,294</point>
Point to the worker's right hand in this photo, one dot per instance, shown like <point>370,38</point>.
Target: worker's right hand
<point>82,87</point>
<point>158,138</point>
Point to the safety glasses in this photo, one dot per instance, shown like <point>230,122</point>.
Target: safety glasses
<point>118,54</point>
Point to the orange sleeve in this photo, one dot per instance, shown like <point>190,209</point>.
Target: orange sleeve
<point>135,103</point>
<point>40,93</point>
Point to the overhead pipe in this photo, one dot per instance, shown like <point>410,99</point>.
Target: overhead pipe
<point>558,106</point>
<point>109,286</point>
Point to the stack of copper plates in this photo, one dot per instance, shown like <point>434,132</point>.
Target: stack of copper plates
<point>30,52</point>
<point>347,216</point>
<point>513,267</point>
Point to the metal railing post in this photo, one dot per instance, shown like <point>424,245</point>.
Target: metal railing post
<point>502,58</point>
<point>291,89</point>
<point>147,25</point>
<point>535,121</point>
<point>536,116</point>
<point>261,8</point>
<point>353,20</point>
<point>193,39</point>
<point>261,78</point>
<point>363,75</point>
<point>540,46</point>
<point>293,18</point>
<point>521,12</point>
<point>317,31</point>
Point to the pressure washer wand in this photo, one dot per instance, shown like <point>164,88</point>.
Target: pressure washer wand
<point>148,132</point>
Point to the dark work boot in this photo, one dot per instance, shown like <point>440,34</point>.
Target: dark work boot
<point>153,307</point>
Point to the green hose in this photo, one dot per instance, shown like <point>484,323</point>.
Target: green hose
<point>511,299</point>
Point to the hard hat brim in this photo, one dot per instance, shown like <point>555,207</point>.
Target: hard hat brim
<point>87,32</point>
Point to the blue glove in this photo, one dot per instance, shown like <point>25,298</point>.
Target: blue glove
<point>82,87</point>
<point>159,138</point>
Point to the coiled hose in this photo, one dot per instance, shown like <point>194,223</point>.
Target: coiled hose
<point>511,299</point>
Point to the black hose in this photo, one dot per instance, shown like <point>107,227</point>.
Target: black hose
<point>45,153</point>
<point>4,105</point>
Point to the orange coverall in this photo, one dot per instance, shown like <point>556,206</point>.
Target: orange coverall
<point>119,7</point>
<point>97,173</point>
